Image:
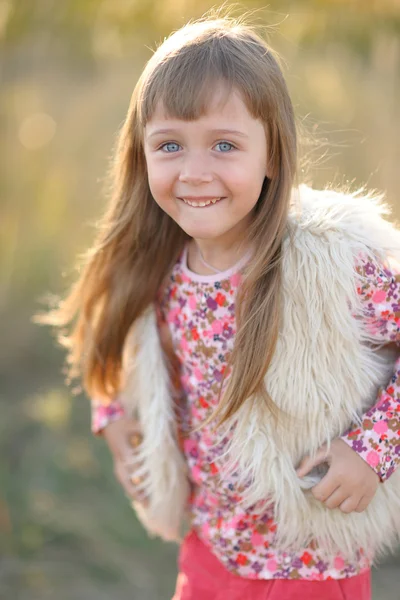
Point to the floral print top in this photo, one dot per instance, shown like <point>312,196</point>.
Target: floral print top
<point>200,313</point>
<point>378,439</point>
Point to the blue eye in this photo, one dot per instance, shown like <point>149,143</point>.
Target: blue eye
<point>169,144</point>
<point>225,144</point>
<point>226,147</point>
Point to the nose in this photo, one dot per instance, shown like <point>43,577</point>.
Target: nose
<point>194,170</point>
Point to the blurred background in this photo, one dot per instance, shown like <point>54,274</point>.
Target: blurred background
<point>67,72</point>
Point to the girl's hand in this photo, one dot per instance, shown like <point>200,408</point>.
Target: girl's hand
<point>350,482</point>
<point>122,437</point>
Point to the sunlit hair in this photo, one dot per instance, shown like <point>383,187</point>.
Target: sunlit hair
<point>138,243</point>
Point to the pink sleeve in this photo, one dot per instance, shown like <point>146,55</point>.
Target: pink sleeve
<point>377,440</point>
<point>103,414</point>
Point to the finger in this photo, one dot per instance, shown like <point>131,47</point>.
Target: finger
<point>308,463</point>
<point>138,474</point>
<point>131,461</point>
<point>134,466</point>
<point>123,479</point>
<point>326,487</point>
<point>336,499</point>
<point>135,488</point>
<point>350,504</point>
<point>364,502</point>
<point>131,442</point>
<point>138,495</point>
<point>132,485</point>
<point>137,477</point>
<point>134,439</point>
<point>139,486</point>
<point>135,471</point>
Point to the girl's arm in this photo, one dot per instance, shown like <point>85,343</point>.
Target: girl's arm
<point>122,435</point>
<point>377,440</point>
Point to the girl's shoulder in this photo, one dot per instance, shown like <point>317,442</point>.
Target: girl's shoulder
<point>321,207</point>
<point>340,216</point>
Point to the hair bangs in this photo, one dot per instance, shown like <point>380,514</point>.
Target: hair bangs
<point>186,82</point>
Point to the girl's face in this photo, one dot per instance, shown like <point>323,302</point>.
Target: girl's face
<point>220,157</point>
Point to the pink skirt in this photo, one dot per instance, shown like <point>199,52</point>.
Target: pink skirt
<point>203,577</point>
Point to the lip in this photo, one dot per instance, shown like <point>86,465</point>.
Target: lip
<point>199,198</point>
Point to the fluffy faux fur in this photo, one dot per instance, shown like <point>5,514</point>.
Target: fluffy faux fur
<point>325,373</point>
<point>147,395</point>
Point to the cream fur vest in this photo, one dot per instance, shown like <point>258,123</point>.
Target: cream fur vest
<point>325,373</point>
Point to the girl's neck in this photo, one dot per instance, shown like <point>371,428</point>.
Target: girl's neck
<point>203,262</point>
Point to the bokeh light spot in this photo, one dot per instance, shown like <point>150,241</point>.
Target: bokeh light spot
<point>36,131</point>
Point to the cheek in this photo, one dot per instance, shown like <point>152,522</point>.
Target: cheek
<point>246,184</point>
<point>159,181</point>
<point>246,170</point>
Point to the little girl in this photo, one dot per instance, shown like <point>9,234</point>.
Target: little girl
<point>235,331</point>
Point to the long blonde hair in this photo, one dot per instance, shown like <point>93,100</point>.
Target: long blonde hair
<point>138,243</point>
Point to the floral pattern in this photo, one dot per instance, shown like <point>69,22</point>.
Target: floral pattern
<point>103,414</point>
<point>377,440</point>
<point>200,313</point>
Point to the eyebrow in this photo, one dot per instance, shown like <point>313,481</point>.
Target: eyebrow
<point>224,131</point>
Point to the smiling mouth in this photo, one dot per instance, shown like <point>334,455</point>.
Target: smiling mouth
<point>201,204</point>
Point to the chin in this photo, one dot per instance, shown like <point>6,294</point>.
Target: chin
<point>200,233</point>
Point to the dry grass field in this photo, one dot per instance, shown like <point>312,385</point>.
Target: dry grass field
<point>68,70</point>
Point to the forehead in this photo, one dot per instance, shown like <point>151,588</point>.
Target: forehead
<point>222,109</point>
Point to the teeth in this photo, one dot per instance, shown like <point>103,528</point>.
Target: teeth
<point>213,201</point>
